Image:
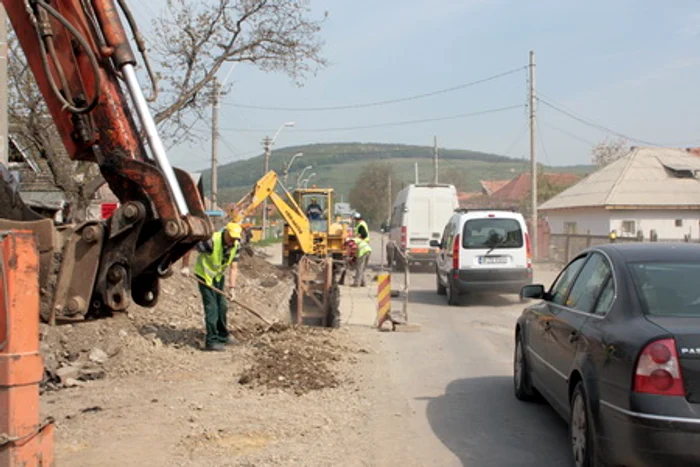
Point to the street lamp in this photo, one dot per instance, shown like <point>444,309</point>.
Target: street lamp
<point>267,142</point>
<point>284,125</point>
<point>301,175</point>
<point>286,169</point>
<point>306,182</point>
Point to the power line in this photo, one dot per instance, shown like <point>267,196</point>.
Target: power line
<point>594,124</point>
<point>519,135</point>
<point>544,149</point>
<point>383,125</point>
<point>567,133</point>
<point>380,103</point>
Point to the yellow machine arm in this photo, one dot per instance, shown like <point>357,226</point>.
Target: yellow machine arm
<point>290,210</point>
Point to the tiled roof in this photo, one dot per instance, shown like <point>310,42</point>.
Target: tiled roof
<point>519,188</point>
<point>645,177</point>
<point>489,187</point>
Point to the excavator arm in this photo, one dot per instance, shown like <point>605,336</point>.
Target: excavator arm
<point>289,209</point>
<point>84,66</point>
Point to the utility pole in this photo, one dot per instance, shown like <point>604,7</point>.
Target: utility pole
<point>435,161</point>
<point>214,144</point>
<point>267,145</point>
<point>533,159</point>
<point>415,167</point>
<point>388,199</point>
<point>4,140</point>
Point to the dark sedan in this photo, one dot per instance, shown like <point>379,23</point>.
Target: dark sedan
<point>614,347</point>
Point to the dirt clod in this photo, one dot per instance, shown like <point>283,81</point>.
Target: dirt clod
<point>298,359</point>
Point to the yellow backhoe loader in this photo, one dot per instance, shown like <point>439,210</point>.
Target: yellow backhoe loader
<point>312,243</point>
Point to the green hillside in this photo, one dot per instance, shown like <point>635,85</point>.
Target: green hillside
<point>338,165</point>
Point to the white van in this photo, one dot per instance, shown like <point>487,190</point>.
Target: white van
<point>419,214</point>
<point>483,251</point>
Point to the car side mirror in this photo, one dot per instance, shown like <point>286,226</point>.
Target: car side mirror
<point>533,291</point>
<point>434,243</point>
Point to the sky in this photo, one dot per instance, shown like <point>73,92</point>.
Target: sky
<point>624,67</point>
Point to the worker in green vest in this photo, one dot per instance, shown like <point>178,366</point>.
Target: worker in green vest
<point>359,252</point>
<point>216,255</point>
<point>361,229</point>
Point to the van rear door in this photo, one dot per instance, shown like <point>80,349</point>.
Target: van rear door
<point>444,204</point>
<point>419,214</point>
<point>493,243</point>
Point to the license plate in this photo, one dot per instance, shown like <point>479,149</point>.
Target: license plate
<point>493,260</point>
<point>419,250</point>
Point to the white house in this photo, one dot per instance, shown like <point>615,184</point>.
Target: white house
<point>650,189</point>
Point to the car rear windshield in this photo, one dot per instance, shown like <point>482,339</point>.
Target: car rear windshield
<point>668,289</point>
<point>492,233</point>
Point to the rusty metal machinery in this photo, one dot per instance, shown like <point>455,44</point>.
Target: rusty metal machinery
<point>25,440</point>
<point>80,55</point>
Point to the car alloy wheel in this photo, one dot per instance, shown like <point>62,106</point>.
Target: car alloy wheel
<point>579,429</point>
<point>518,366</point>
<point>521,376</point>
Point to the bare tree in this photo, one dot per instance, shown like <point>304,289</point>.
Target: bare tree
<point>608,151</point>
<point>192,41</point>
<point>196,38</point>
<point>371,189</point>
<point>34,130</point>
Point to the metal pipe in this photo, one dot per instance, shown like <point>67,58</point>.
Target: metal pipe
<point>154,140</point>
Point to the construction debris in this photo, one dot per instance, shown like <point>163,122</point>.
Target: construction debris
<point>298,359</point>
<point>169,336</point>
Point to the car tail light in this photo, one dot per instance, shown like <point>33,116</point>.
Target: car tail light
<point>658,370</point>
<point>528,250</point>
<point>455,257</point>
<point>403,237</point>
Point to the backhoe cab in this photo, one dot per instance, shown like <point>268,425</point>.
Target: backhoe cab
<point>312,241</point>
<point>327,232</point>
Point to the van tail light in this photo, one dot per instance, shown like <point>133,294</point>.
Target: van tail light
<point>455,257</point>
<point>528,250</point>
<point>403,237</point>
<point>658,370</point>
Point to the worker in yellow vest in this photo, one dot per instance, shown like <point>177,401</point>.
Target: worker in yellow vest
<point>359,252</point>
<point>216,255</point>
<point>361,229</point>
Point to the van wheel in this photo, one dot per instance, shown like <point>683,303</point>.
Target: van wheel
<point>441,289</point>
<point>452,297</point>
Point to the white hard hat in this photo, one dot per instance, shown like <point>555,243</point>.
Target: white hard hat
<point>358,215</point>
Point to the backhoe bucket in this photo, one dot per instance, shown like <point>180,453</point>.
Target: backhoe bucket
<point>316,299</point>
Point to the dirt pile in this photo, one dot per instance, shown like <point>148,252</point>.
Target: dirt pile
<point>296,359</point>
<point>166,337</point>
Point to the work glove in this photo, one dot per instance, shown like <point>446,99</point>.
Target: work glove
<point>232,294</point>
<point>185,271</point>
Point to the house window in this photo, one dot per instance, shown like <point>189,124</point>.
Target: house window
<point>569,227</point>
<point>629,227</point>
<point>679,222</point>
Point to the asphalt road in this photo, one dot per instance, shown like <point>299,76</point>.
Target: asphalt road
<point>455,375</point>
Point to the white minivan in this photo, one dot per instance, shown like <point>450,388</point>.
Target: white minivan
<point>483,251</point>
<point>419,214</point>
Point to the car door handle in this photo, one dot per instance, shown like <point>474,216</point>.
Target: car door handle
<point>573,337</point>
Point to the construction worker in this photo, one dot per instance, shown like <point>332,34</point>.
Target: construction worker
<point>314,211</point>
<point>358,251</point>
<point>361,229</point>
<point>216,255</point>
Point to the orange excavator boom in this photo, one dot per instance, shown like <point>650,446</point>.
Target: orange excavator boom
<point>84,65</point>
